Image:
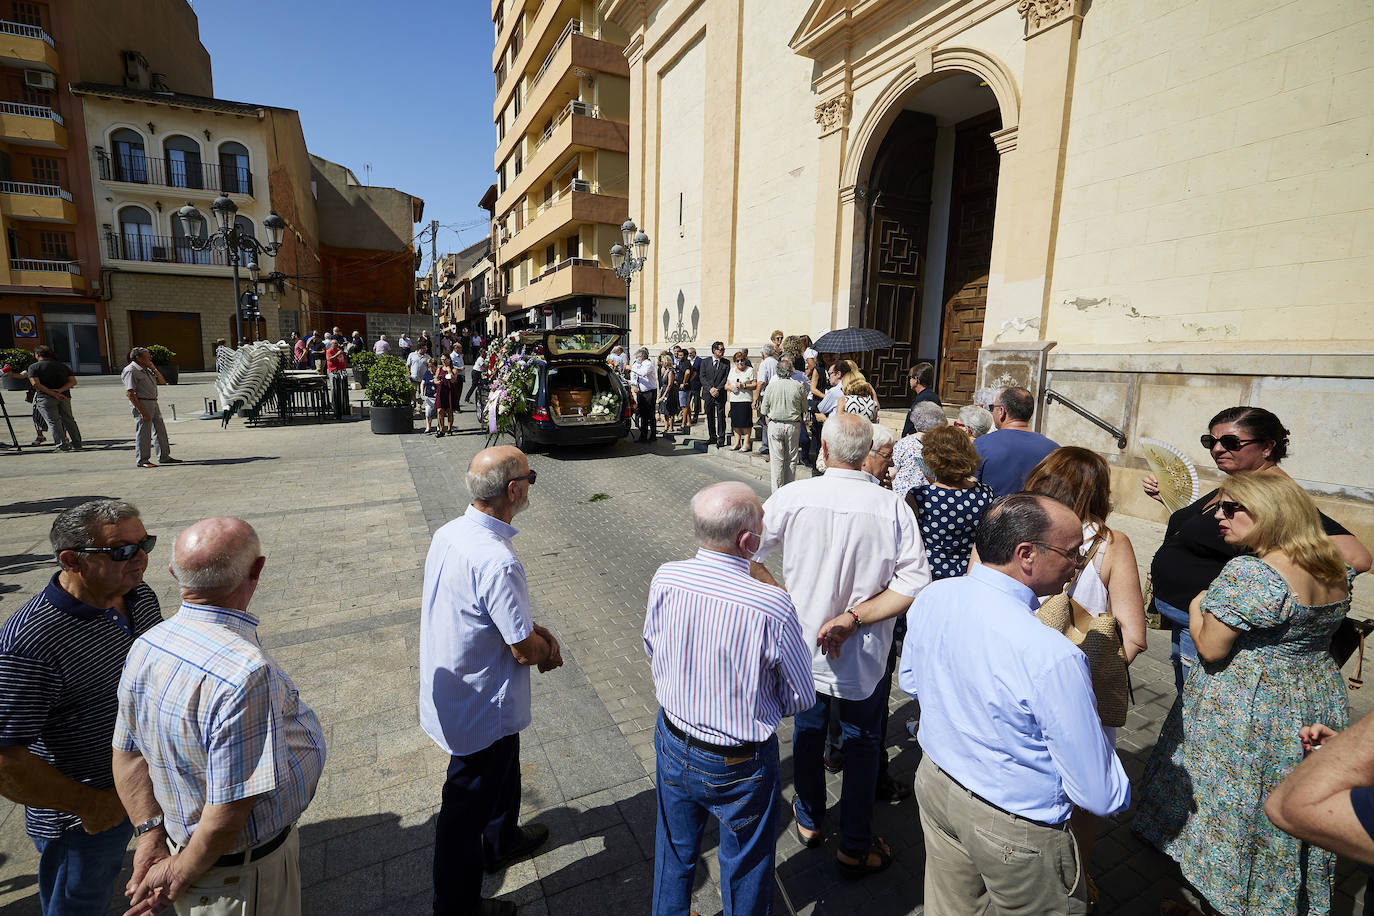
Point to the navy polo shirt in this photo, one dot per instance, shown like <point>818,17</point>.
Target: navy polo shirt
<point>60,662</point>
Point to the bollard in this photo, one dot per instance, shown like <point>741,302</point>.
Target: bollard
<point>174,413</point>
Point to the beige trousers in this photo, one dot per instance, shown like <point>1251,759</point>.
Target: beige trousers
<point>981,860</point>
<point>271,886</point>
<point>782,446</point>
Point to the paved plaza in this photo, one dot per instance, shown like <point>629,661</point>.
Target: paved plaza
<point>345,519</point>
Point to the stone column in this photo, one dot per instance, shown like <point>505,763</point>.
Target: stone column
<point>830,294</point>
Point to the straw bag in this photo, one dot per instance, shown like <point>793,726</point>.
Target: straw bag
<point>1099,636</point>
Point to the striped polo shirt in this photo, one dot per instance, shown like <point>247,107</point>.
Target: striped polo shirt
<point>727,652</point>
<point>60,662</point>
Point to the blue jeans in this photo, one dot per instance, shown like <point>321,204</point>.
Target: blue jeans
<point>744,795</point>
<point>1182,652</point>
<point>77,871</point>
<point>860,724</point>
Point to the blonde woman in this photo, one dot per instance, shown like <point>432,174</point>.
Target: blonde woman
<point>860,398</point>
<point>840,373</point>
<point>1262,631</point>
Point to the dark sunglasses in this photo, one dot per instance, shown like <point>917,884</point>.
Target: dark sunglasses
<point>124,552</point>
<point>532,476</point>
<point>1229,508</point>
<point>1077,559</point>
<point>1231,442</point>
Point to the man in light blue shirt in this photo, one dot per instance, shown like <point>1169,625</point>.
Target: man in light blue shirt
<point>477,643</point>
<point>1009,724</point>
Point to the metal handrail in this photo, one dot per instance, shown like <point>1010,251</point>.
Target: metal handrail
<point>37,190</point>
<point>31,111</point>
<point>1051,396</point>
<point>163,249</point>
<point>135,168</point>
<point>24,30</point>
<point>574,107</point>
<point>51,267</point>
<point>574,25</point>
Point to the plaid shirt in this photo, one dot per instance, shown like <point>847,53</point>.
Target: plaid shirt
<point>218,721</point>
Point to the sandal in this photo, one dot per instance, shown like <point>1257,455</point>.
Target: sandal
<point>852,871</point>
<point>809,842</point>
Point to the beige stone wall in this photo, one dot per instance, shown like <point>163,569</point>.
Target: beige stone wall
<point>1218,183</point>
<point>211,297</point>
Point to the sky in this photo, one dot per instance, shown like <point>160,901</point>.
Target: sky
<point>405,85</point>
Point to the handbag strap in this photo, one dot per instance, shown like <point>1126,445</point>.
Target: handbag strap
<point>1097,542</point>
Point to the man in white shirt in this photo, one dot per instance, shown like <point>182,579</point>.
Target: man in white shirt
<point>853,563</point>
<point>415,365</point>
<point>404,344</point>
<point>1009,725</point>
<point>644,376</point>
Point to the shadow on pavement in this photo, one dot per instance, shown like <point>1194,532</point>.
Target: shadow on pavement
<point>207,462</point>
<point>47,506</point>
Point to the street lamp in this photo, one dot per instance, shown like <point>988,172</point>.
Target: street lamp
<point>232,240</point>
<point>627,264</point>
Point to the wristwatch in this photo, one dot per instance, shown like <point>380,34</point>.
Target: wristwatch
<point>151,823</point>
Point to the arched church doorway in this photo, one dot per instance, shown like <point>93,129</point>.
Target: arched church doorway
<point>931,200</point>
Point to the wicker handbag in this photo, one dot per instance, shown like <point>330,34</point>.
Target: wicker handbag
<point>1099,636</point>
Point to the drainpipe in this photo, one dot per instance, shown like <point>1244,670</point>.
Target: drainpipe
<point>106,294</point>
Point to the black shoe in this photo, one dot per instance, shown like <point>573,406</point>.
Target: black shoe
<point>833,764</point>
<point>535,835</point>
<point>890,790</point>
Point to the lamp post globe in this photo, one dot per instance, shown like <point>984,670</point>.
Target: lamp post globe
<point>275,226</point>
<point>617,256</point>
<point>641,244</point>
<point>627,232</point>
<point>188,215</point>
<point>224,210</point>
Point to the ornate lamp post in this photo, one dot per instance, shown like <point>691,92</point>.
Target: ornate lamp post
<point>232,240</point>
<point>626,264</point>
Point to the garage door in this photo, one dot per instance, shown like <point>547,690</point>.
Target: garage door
<point>178,331</point>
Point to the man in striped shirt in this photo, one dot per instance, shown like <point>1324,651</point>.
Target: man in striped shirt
<point>729,662</point>
<point>60,659</point>
<point>215,755</point>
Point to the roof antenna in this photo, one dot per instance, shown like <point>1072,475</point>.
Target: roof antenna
<point>367,168</point>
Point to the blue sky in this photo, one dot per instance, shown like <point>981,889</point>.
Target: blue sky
<point>405,85</point>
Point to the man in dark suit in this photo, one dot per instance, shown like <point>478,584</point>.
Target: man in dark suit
<point>694,386</point>
<point>922,381</point>
<point>714,372</point>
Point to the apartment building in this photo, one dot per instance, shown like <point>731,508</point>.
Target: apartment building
<point>562,113</point>
<point>50,266</point>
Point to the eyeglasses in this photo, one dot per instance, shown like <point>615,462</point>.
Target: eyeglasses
<point>532,476</point>
<point>125,552</point>
<point>1231,442</point>
<point>1229,508</point>
<point>1074,557</point>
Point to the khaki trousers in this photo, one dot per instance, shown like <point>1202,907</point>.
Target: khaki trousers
<point>271,886</point>
<point>782,447</point>
<point>982,860</point>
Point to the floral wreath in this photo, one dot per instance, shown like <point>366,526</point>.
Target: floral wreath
<point>511,374</point>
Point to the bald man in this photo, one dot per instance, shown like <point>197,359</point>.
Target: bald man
<point>215,755</point>
<point>478,642</point>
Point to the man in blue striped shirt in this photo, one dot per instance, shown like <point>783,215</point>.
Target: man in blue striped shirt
<point>729,662</point>
<point>215,755</point>
<point>60,658</point>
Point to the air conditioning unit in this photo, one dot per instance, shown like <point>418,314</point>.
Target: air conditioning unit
<point>39,79</point>
<point>161,253</point>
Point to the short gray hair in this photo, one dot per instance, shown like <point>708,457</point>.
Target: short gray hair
<point>74,528</point>
<point>642,353</point>
<point>769,350</point>
<point>848,437</point>
<point>883,436</point>
<point>785,366</point>
<point>492,484</point>
<point>986,397</point>
<point>721,511</point>
<point>976,420</point>
<point>136,352</point>
<point>220,570</point>
<point>926,415</point>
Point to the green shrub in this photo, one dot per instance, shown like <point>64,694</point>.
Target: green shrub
<point>18,360</point>
<point>161,355</point>
<point>363,359</point>
<point>389,384</point>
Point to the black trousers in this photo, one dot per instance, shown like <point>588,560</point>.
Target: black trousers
<point>647,404</point>
<point>717,424</point>
<point>477,821</point>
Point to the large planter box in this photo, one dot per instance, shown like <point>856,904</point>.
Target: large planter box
<point>14,383</point>
<point>169,373</point>
<point>390,421</point>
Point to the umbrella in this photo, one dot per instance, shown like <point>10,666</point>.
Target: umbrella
<point>852,340</point>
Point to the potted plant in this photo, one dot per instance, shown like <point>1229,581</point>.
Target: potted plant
<point>14,362</point>
<point>392,394</point>
<point>165,360</point>
<point>360,363</point>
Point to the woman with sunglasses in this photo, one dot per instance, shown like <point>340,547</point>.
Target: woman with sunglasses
<point>1194,552</point>
<point>1263,630</point>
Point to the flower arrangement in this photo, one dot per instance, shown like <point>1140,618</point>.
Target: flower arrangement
<point>510,374</point>
<point>606,404</point>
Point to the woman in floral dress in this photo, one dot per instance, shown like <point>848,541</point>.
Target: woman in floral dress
<point>1263,631</point>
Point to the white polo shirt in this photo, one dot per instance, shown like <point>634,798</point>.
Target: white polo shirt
<point>844,539</point>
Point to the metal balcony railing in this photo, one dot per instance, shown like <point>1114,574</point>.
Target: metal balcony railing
<point>37,190</point>
<point>174,173</point>
<point>134,246</point>
<point>50,267</point>
<point>31,111</point>
<point>574,26</point>
<point>564,265</point>
<point>25,31</point>
<point>575,107</point>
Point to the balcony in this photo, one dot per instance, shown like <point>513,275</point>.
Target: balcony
<point>32,125</point>
<point>49,274</point>
<point>579,202</point>
<point>571,277</point>
<point>173,173</point>
<point>160,249</point>
<point>46,203</point>
<point>27,46</point>
<point>577,126</point>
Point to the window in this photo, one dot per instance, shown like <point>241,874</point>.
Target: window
<point>36,96</point>
<point>45,170</point>
<point>130,158</point>
<point>183,163</point>
<point>234,176</point>
<point>551,255</point>
<point>27,13</point>
<point>245,228</point>
<point>135,234</point>
<point>53,246</point>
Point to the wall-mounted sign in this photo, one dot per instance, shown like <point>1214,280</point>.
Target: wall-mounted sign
<point>25,326</point>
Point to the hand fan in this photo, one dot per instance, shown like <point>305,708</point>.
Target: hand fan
<point>1176,474</point>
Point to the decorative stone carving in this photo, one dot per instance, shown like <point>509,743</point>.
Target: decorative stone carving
<point>1041,14</point>
<point>832,114</point>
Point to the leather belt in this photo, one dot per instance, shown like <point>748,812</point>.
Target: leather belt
<point>253,854</point>
<point>972,794</point>
<point>725,750</point>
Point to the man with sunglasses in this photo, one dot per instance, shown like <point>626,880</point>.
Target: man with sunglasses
<point>61,655</point>
<point>478,641</point>
<point>1011,450</point>
<point>714,373</point>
